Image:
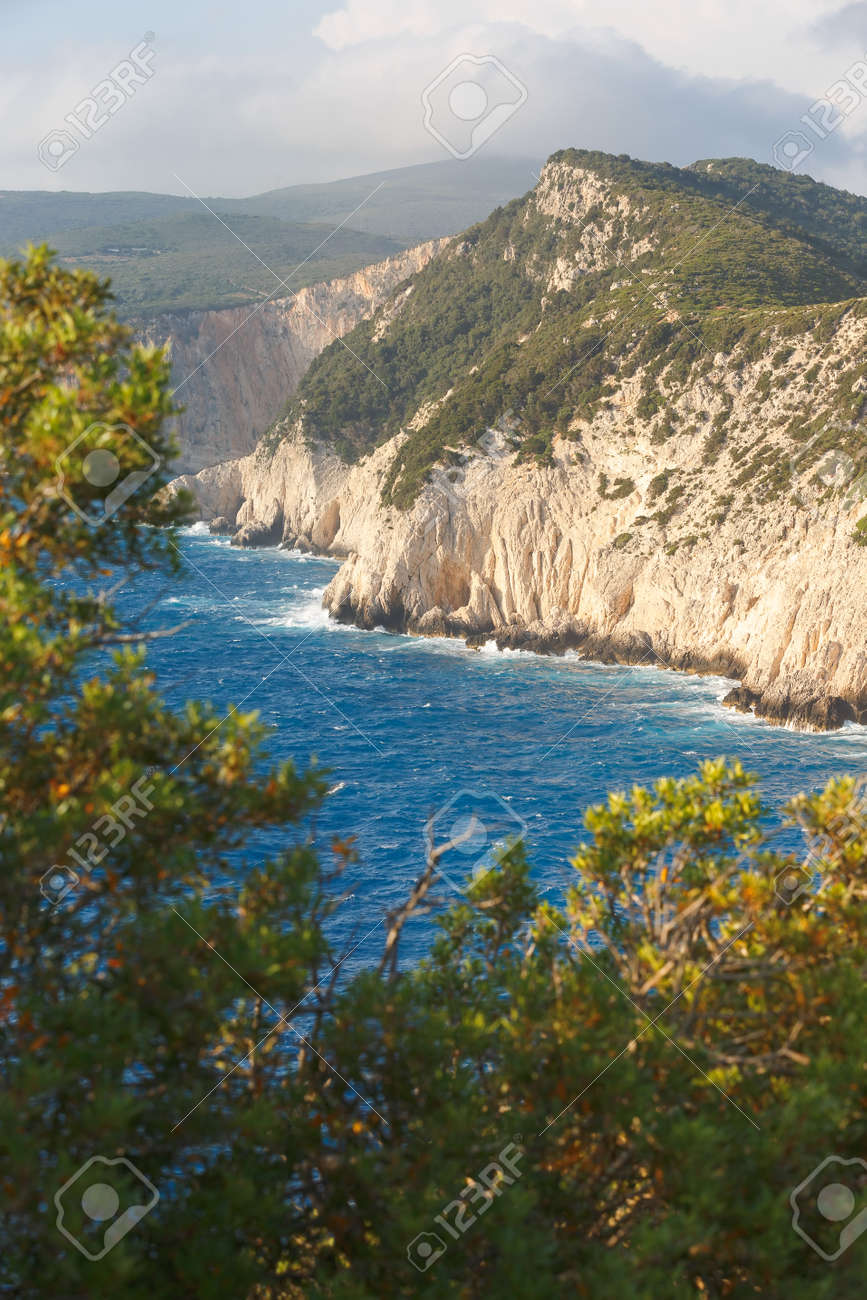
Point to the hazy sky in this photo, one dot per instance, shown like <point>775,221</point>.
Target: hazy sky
<point>250,97</point>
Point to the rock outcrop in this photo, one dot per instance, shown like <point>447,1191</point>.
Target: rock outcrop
<point>222,527</point>
<point>233,369</point>
<point>265,529</point>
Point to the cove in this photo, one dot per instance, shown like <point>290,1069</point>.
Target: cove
<point>407,724</point>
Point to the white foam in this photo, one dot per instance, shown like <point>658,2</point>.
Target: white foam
<point>404,641</point>
<point>854,729</point>
<point>490,648</point>
<point>305,612</point>
<point>306,557</point>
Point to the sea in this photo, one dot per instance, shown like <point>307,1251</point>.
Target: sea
<point>424,737</point>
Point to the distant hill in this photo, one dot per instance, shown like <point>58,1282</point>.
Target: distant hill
<point>410,203</point>
<point>37,214</point>
<point>167,252</point>
<point>192,260</point>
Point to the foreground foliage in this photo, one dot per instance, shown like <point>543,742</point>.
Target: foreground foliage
<point>612,1097</point>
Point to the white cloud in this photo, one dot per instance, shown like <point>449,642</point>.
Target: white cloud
<point>359,21</point>
<point>266,116</point>
<point>842,26</point>
<point>733,38</point>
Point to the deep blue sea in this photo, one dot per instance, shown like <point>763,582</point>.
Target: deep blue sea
<point>419,728</point>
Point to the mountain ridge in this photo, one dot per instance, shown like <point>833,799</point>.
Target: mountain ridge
<point>515,293</point>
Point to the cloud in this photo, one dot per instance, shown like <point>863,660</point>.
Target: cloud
<point>586,87</point>
<point>842,27</point>
<point>722,38</point>
<point>251,120</point>
<point>359,21</point>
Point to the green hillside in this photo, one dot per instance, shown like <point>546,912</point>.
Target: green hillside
<point>191,260</point>
<point>670,266</point>
<point>35,215</point>
<point>167,252</point>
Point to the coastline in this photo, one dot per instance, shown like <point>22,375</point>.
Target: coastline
<point>825,714</point>
<point>534,557</point>
<point>568,639</point>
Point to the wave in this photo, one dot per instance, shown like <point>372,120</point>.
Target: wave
<point>306,557</point>
<point>490,648</point>
<point>308,612</point>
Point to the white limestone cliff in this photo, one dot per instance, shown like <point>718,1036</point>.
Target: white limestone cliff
<point>233,369</point>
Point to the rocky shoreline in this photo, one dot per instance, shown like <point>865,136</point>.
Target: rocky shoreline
<point>819,713</point>
<point>528,556</point>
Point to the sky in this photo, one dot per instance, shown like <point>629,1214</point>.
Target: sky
<point>233,100</point>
